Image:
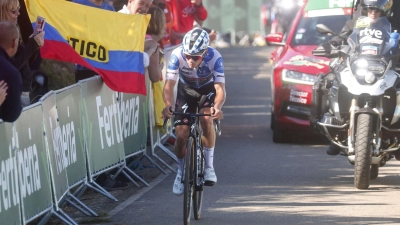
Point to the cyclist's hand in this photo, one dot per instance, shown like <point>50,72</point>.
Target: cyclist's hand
<point>167,112</point>
<point>216,113</point>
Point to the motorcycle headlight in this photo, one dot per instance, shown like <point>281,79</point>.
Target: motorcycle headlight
<point>363,66</point>
<point>297,77</point>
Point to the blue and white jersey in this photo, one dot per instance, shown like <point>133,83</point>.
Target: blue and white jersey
<point>211,70</point>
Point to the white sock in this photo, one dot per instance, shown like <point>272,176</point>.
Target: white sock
<point>180,165</point>
<point>209,152</point>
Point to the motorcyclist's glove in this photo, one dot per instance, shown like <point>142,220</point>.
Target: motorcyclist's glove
<point>334,44</point>
<point>395,37</point>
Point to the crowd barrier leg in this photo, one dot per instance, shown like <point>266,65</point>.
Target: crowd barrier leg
<point>94,186</point>
<point>85,210</point>
<point>124,169</point>
<point>60,215</point>
<point>154,163</point>
<point>157,143</point>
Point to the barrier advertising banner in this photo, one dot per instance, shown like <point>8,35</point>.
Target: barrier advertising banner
<point>32,160</point>
<point>60,148</point>
<point>102,125</point>
<point>70,125</point>
<point>134,116</point>
<point>9,191</point>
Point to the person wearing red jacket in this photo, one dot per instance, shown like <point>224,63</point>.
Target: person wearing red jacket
<point>185,13</point>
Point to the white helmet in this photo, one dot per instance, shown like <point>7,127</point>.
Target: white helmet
<point>195,42</point>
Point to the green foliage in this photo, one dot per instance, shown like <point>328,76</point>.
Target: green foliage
<point>60,74</point>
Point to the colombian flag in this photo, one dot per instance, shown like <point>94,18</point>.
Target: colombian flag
<point>109,43</point>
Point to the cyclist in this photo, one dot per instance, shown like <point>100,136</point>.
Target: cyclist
<point>199,71</point>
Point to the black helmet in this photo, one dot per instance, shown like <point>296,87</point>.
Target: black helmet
<point>383,5</point>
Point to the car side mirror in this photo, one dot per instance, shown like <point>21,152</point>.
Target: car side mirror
<point>275,39</point>
<point>323,29</point>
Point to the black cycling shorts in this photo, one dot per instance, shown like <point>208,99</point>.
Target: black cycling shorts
<point>188,98</point>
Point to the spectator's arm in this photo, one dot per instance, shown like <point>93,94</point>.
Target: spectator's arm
<point>11,107</point>
<point>25,53</point>
<point>201,12</point>
<point>3,91</point>
<point>154,67</point>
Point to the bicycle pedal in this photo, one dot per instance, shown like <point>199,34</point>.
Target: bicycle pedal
<point>209,183</point>
<point>199,188</point>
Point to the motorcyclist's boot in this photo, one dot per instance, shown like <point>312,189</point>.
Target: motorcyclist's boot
<point>333,150</point>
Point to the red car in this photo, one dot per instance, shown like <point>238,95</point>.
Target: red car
<point>295,68</point>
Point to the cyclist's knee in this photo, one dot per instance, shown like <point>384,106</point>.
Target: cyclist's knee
<point>206,121</point>
<point>182,131</point>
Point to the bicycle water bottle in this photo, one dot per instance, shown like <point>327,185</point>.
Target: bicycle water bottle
<point>395,37</point>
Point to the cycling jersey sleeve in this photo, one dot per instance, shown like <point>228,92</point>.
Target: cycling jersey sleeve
<point>219,75</point>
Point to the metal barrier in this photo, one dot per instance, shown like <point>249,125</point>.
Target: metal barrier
<point>63,142</point>
<point>158,136</point>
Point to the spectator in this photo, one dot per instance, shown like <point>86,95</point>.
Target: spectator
<point>166,6</point>
<point>9,10</point>
<point>185,13</point>
<point>141,7</point>
<point>11,107</point>
<point>155,32</point>
<point>82,72</point>
<point>3,91</point>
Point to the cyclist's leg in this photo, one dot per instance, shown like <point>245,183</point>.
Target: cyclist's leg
<point>209,136</point>
<point>184,103</point>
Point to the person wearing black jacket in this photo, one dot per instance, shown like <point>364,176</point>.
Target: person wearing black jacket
<point>9,10</point>
<point>11,108</point>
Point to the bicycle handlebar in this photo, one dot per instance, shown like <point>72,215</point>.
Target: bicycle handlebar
<point>217,123</point>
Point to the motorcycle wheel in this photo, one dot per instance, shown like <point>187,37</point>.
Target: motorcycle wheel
<point>374,172</point>
<point>363,149</point>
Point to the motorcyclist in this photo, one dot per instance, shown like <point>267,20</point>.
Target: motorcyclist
<point>371,8</point>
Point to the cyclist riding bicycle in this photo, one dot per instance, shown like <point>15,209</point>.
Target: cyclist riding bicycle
<point>199,71</point>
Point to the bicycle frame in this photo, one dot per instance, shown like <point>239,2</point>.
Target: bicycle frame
<point>194,165</point>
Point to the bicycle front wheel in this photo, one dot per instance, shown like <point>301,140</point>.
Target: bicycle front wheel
<point>199,184</point>
<point>188,182</point>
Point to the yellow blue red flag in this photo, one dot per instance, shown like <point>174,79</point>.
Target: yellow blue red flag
<point>109,43</point>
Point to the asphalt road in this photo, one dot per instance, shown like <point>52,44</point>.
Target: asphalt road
<point>260,182</point>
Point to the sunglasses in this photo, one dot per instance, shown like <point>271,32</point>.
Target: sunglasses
<point>194,57</point>
<point>373,10</point>
<point>15,11</point>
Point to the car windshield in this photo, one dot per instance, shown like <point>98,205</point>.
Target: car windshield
<point>306,33</point>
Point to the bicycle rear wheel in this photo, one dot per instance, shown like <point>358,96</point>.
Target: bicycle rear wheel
<point>188,182</point>
<point>199,185</point>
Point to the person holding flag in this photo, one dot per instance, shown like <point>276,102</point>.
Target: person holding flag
<point>109,43</point>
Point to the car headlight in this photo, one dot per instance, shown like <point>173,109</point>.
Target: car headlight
<point>297,77</point>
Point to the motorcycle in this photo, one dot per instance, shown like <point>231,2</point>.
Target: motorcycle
<point>357,105</point>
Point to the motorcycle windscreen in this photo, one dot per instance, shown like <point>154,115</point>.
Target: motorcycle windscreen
<point>371,37</point>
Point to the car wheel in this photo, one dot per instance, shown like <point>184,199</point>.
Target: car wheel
<point>272,121</point>
<point>278,135</point>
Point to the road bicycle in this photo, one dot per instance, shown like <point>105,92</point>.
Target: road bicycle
<point>193,168</point>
